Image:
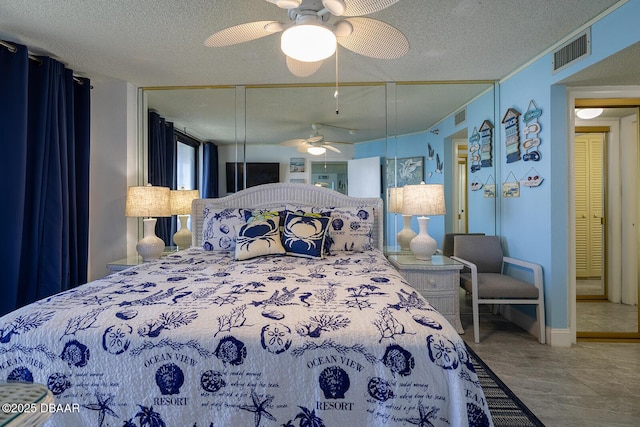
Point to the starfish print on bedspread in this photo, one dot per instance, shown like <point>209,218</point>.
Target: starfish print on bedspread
<point>102,406</point>
<point>424,420</point>
<point>259,408</point>
<point>277,298</point>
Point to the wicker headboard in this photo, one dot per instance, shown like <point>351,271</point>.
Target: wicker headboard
<point>279,195</point>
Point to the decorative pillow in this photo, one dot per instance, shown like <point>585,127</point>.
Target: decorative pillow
<point>313,211</point>
<point>304,235</point>
<point>352,229</point>
<point>258,238</point>
<point>262,214</point>
<point>218,228</point>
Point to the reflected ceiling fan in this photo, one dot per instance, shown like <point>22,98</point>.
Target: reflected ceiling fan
<point>315,144</point>
<point>311,33</point>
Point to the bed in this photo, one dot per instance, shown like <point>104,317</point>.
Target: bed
<point>239,336</point>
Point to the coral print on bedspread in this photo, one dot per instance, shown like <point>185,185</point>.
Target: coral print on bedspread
<point>197,338</point>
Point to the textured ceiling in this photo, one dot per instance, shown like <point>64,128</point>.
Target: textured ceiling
<point>161,43</point>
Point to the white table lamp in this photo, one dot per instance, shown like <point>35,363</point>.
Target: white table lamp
<point>149,201</point>
<point>423,199</point>
<point>181,206</point>
<point>395,206</point>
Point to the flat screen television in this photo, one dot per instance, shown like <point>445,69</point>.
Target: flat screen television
<point>257,173</point>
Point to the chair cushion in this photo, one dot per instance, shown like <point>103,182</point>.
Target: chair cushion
<point>495,285</point>
<point>483,251</point>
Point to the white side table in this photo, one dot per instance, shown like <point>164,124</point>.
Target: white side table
<point>132,261</point>
<point>438,280</point>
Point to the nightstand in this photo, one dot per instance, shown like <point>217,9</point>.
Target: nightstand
<point>438,280</point>
<point>132,261</point>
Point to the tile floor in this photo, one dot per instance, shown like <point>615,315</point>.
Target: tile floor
<point>588,384</point>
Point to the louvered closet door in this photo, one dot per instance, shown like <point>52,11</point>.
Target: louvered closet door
<point>589,173</point>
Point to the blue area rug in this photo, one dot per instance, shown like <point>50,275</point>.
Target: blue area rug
<point>506,409</point>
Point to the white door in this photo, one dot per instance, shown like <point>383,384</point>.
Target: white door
<point>363,176</point>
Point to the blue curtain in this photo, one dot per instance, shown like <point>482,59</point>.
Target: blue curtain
<point>162,153</point>
<point>210,170</point>
<point>44,120</point>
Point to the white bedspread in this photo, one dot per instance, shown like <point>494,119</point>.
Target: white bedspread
<point>198,339</point>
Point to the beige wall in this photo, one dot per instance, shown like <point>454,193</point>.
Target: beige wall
<point>113,167</point>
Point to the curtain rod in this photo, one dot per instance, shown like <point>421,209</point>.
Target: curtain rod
<point>11,48</point>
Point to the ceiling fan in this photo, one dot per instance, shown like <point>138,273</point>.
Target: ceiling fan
<point>311,33</point>
<point>315,144</point>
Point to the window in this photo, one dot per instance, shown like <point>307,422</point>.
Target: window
<point>186,161</point>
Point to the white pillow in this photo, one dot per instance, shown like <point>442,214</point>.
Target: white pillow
<point>218,228</point>
<point>351,229</point>
<point>257,238</point>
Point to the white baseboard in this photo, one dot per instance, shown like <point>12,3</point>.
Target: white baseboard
<point>555,337</point>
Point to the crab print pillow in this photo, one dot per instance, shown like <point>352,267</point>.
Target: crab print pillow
<point>305,235</point>
<point>218,228</point>
<point>258,238</point>
<point>352,229</point>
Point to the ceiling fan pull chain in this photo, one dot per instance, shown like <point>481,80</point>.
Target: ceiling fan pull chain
<point>336,94</point>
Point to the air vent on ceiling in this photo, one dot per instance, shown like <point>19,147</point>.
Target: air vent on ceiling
<point>577,48</point>
<point>460,117</point>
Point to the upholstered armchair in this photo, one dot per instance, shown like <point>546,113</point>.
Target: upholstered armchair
<point>487,282</point>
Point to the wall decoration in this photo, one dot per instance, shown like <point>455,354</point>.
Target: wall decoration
<point>490,188</point>
<point>296,164</point>
<point>531,130</point>
<point>531,179</point>
<point>474,150</point>
<point>430,152</point>
<point>439,166</point>
<point>408,170</point>
<point>476,185</point>
<point>511,188</point>
<point>486,133</point>
<point>512,141</point>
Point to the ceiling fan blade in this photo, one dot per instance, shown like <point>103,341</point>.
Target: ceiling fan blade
<point>302,69</point>
<point>303,148</point>
<point>241,33</point>
<point>375,39</point>
<point>365,7</point>
<point>332,148</point>
<point>293,142</point>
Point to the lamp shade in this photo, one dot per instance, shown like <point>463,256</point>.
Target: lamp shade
<point>148,201</point>
<point>181,201</point>
<point>423,199</point>
<point>395,199</point>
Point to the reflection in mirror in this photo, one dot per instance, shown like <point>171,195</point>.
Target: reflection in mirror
<point>331,175</point>
<point>412,127</point>
<point>605,149</point>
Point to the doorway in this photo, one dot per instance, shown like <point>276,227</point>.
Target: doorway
<point>606,183</point>
<point>461,221</point>
<point>331,175</point>
<point>590,168</point>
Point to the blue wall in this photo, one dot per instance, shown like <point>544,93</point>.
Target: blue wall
<point>534,225</point>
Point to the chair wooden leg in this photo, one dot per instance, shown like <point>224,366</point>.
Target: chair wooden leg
<point>543,330</point>
<point>476,323</point>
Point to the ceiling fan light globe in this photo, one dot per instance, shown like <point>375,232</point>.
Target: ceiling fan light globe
<point>308,42</point>
<point>316,151</point>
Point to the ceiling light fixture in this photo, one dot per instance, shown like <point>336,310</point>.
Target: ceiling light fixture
<point>316,151</point>
<point>308,41</point>
<point>588,113</point>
